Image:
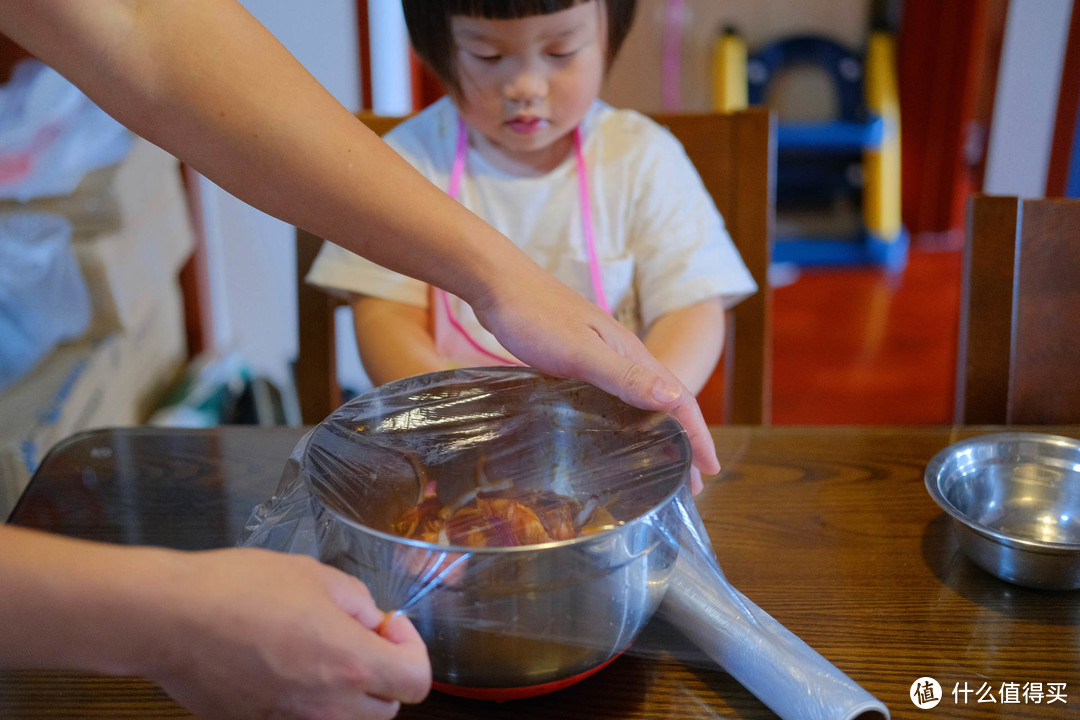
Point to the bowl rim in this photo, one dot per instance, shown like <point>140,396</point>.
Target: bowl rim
<point>934,467</point>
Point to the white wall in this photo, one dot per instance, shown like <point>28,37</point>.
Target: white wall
<point>252,256</point>
<point>391,82</point>
<point>1025,104</point>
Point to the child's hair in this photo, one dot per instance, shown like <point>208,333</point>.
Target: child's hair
<point>429,26</point>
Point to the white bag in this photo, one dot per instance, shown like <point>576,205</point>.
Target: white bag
<point>51,134</point>
<point>43,297</point>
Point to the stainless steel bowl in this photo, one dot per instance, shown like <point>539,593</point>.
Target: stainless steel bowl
<point>1015,500</point>
<point>516,617</point>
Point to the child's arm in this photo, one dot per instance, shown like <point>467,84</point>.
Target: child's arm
<point>688,341</point>
<point>394,339</point>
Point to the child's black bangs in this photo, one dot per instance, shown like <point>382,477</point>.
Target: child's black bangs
<point>507,9</point>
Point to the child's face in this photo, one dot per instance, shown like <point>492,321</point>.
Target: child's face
<point>527,82</point>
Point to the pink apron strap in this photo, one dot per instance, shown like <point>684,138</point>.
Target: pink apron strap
<point>587,224</point>
<point>671,58</point>
<point>459,160</point>
<point>451,337</point>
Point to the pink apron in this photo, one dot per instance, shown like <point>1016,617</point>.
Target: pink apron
<point>452,339</point>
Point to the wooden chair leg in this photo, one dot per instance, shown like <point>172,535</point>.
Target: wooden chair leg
<point>316,363</point>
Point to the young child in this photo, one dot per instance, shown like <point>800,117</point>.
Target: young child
<point>604,199</point>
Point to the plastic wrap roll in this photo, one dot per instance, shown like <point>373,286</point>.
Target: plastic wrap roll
<point>770,661</point>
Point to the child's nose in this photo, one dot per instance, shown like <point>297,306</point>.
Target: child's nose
<point>526,85</point>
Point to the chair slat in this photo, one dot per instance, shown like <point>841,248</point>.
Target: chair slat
<point>1019,352</point>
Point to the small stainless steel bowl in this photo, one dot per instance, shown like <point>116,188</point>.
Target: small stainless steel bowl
<point>1015,500</point>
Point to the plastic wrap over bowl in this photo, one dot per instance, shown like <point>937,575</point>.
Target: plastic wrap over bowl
<point>514,621</point>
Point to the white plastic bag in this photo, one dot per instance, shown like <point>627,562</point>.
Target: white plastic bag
<point>51,134</point>
<point>43,297</point>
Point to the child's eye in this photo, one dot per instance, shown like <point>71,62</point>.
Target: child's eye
<point>560,55</point>
<point>487,58</point>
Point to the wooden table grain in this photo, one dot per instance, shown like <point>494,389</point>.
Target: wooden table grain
<point>830,530</point>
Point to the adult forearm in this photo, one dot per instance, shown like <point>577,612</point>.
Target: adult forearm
<point>81,606</point>
<point>236,633</point>
<point>689,341</point>
<point>205,81</point>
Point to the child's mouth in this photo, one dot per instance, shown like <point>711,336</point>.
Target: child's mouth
<point>526,125</point>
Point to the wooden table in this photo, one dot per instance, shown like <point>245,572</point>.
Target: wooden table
<point>830,530</point>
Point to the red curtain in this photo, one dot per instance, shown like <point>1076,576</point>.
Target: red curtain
<point>947,69</point>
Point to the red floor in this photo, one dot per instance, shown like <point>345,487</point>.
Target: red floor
<point>866,347</point>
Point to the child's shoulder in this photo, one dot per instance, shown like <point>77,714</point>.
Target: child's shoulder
<point>630,131</point>
<point>427,131</point>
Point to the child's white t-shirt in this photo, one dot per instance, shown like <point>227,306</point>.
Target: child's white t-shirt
<point>660,241</point>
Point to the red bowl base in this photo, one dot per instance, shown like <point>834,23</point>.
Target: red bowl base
<point>518,693</point>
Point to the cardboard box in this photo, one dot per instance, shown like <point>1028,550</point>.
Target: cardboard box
<point>125,268</point>
<point>151,358</point>
<point>91,208</point>
<point>132,234</point>
<point>50,403</point>
<point>113,381</point>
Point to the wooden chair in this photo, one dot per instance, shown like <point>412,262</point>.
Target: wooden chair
<point>1019,354</point>
<point>735,156</point>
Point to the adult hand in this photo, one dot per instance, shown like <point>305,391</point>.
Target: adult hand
<point>257,634</point>
<point>557,331</point>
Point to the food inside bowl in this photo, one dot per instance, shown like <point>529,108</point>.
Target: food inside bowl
<point>503,518</point>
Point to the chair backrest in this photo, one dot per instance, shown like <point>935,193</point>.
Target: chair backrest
<point>735,156</point>
<point>1019,352</point>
